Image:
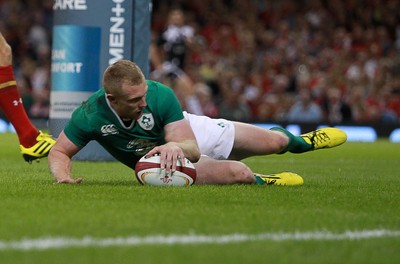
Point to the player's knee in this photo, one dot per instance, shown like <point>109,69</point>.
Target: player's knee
<point>240,173</point>
<point>279,142</point>
<point>5,51</point>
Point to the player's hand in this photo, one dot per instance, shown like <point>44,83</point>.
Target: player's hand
<point>169,154</point>
<point>69,181</point>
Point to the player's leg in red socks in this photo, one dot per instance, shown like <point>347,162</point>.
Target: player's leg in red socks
<point>33,143</point>
<point>11,104</point>
<point>10,99</point>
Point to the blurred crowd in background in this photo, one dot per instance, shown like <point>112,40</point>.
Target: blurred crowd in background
<point>27,27</point>
<point>335,61</point>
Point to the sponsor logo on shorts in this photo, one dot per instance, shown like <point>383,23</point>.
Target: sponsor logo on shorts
<point>222,124</point>
<point>110,129</point>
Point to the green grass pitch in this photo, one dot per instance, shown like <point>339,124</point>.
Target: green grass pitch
<point>111,218</point>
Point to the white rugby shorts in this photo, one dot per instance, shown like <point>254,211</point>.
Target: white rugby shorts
<point>215,137</point>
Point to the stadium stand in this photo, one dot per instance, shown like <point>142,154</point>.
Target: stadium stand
<point>257,54</point>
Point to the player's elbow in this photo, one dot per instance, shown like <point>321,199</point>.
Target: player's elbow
<point>191,151</point>
<point>195,155</point>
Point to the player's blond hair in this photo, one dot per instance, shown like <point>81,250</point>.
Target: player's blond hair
<point>120,72</point>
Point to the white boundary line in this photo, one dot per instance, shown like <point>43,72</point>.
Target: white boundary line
<point>45,243</point>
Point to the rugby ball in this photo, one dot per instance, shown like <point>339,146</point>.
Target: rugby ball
<point>148,172</point>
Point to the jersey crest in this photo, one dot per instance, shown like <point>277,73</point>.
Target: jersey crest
<point>146,121</point>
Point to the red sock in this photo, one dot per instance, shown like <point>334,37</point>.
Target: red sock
<point>11,104</point>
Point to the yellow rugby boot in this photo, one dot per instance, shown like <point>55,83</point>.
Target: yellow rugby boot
<point>40,150</point>
<point>283,179</point>
<point>327,137</point>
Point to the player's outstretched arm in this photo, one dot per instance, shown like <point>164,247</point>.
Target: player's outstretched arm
<point>60,162</point>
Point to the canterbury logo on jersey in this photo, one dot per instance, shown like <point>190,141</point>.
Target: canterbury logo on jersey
<point>109,130</point>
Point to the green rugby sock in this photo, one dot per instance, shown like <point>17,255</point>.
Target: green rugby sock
<point>296,143</point>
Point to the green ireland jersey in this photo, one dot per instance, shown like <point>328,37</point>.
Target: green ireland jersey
<point>96,120</point>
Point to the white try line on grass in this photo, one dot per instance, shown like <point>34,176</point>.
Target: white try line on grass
<point>65,242</point>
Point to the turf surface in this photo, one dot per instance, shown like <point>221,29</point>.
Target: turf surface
<point>354,187</point>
